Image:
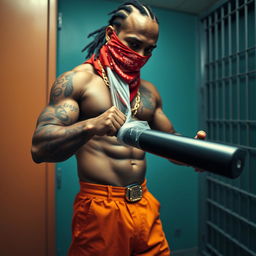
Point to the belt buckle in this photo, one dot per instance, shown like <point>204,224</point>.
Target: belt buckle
<point>133,193</point>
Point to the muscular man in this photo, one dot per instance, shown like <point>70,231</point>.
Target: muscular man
<point>80,120</point>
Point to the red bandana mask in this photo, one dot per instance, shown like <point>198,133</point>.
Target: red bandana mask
<point>123,60</point>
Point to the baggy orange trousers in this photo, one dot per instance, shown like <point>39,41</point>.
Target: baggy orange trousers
<point>105,224</point>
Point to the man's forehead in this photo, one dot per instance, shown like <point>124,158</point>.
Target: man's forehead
<point>136,22</point>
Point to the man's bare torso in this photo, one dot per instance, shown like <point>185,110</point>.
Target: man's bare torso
<point>81,120</point>
<point>103,159</point>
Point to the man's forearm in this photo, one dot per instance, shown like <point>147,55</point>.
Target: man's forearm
<point>55,143</point>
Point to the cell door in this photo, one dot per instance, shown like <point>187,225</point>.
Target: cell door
<point>228,207</point>
<point>27,42</point>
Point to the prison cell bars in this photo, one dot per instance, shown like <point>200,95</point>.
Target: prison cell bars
<point>230,216</point>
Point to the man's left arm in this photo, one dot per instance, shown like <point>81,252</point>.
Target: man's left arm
<point>162,123</point>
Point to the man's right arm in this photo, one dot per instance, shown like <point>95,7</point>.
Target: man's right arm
<point>58,135</point>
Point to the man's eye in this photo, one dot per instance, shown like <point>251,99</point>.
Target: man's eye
<point>133,46</point>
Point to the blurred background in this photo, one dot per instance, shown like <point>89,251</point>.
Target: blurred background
<point>205,70</point>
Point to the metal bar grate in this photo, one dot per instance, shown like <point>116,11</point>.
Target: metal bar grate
<point>227,236</point>
<point>228,61</point>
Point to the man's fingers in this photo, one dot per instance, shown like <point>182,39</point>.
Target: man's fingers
<point>115,119</point>
<point>120,119</point>
<point>118,115</point>
<point>201,135</point>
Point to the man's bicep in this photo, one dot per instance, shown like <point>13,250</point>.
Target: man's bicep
<point>63,108</point>
<point>65,112</point>
<point>161,122</point>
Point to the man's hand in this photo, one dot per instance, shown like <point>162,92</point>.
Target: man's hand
<point>201,135</point>
<point>108,123</point>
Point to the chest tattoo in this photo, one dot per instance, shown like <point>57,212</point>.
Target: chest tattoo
<point>147,100</point>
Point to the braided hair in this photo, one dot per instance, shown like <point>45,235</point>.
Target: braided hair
<point>118,15</point>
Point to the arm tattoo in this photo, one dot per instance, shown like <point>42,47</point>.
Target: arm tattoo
<point>74,131</point>
<point>62,86</point>
<point>61,114</point>
<point>46,130</point>
<point>70,135</point>
<point>71,107</point>
<point>45,116</point>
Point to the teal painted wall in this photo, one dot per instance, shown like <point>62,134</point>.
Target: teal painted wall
<point>173,69</point>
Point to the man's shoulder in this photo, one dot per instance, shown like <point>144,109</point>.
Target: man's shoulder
<point>149,86</point>
<point>74,83</point>
<point>146,83</point>
<point>85,68</point>
<point>85,73</point>
<point>80,77</point>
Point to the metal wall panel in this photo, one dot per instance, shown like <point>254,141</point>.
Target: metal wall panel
<point>228,61</point>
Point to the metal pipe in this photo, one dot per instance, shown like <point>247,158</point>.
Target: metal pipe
<point>217,158</point>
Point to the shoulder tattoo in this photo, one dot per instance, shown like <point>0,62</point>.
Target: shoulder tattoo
<point>63,86</point>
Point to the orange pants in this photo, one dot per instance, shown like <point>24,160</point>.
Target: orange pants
<point>104,223</point>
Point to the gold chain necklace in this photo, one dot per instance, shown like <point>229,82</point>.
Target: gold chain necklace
<point>136,106</point>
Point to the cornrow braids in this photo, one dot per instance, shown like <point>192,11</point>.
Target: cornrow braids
<point>134,3</point>
<point>117,18</point>
<point>152,15</point>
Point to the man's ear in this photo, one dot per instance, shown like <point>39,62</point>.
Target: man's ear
<point>109,31</point>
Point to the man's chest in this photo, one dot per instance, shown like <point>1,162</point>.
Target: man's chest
<point>97,99</point>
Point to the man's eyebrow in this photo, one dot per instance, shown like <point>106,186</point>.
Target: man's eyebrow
<point>134,38</point>
<point>139,41</point>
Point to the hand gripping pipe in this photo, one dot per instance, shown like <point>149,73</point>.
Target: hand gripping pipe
<point>217,158</point>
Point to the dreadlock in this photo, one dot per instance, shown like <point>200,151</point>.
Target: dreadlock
<point>118,15</point>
